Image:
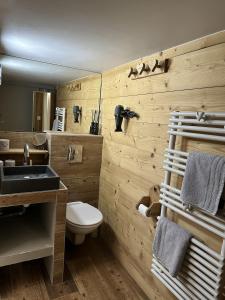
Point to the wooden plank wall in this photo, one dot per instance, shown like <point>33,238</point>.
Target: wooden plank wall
<point>132,161</point>
<point>87,98</point>
<point>81,179</point>
<point>18,138</point>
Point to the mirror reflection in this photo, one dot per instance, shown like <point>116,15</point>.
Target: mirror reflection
<point>29,90</point>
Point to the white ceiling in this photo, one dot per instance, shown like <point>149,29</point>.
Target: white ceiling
<point>16,70</point>
<point>100,34</point>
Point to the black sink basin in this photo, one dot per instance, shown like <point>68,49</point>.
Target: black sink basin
<point>24,179</point>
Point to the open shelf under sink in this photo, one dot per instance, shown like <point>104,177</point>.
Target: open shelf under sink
<point>23,238</point>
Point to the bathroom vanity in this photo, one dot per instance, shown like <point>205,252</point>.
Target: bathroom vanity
<point>38,232</point>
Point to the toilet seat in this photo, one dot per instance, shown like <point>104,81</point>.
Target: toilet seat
<point>82,214</point>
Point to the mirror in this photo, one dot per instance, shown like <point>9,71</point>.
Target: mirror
<point>28,92</point>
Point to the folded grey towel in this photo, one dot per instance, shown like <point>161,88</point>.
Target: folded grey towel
<point>170,245</point>
<point>203,181</point>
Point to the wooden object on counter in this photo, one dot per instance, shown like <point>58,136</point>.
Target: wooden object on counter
<point>10,163</point>
<point>30,238</point>
<point>4,144</point>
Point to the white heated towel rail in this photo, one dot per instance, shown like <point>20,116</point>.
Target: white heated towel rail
<point>202,273</point>
<point>60,114</point>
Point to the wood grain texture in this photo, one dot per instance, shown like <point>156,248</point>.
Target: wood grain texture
<point>17,141</point>
<point>17,138</point>
<point>87,98</point>
<point>197,69</point>
<point>132,160</point>
<point>91,273</point>
<point>81,179</point>
<point>54,227</point>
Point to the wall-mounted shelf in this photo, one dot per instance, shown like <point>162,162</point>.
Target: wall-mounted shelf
<point>38,156</point>
<point>21,151</point>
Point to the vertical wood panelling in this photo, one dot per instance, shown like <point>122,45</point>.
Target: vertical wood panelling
<point>132,161</point>
<point>87,98</point>
<point>81,179</point>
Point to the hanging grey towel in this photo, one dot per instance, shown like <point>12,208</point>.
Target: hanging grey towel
<point>170,245</point>
<point>203,181</point>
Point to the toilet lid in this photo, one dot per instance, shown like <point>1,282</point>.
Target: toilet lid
<point>83,214</point>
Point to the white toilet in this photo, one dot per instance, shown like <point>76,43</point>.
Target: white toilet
<point>81,219</point>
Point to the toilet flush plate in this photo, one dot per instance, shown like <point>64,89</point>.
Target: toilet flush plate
<point>75,153</point>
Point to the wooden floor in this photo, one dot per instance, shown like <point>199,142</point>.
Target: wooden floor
<point>91,273</point>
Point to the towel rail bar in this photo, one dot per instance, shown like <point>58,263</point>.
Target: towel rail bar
<point>213,284</point>
<point>197,128</point>
<point>192,262</point>
<point>204,262</point>
<point>195,282</point>
<point>199,284</point>
<point>212,221</point>
<point>171,196</point>
<point>181,153</point>
<point>195,287</point>
<point>175,158</point>
<point>175,190</point>
<point>174,285</point>
<point>171,201</point>
<point>178,165</point>
<point>194,121</point>
<point>207,256</point>
<point>162,270</point>
<point>170,285</point>
<point>173,170</point>
<point>198,136</point>
<point>212,115</point>
<point>202,272</point>
<point>207,249</point>
<point>164,195</point>
<point>192,218</point>
<point>185,288</point>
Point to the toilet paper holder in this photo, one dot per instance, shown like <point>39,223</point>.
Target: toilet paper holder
<point>149,207</point>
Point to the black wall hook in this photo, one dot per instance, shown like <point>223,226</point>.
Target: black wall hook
<point>121,113</point>
<point>133,71</point>
<point>157,65</point>
<point>161,65</point>
<point>145,68</point>
<point>77,113</point>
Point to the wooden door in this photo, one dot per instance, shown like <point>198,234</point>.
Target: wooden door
<point>38,99</point>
